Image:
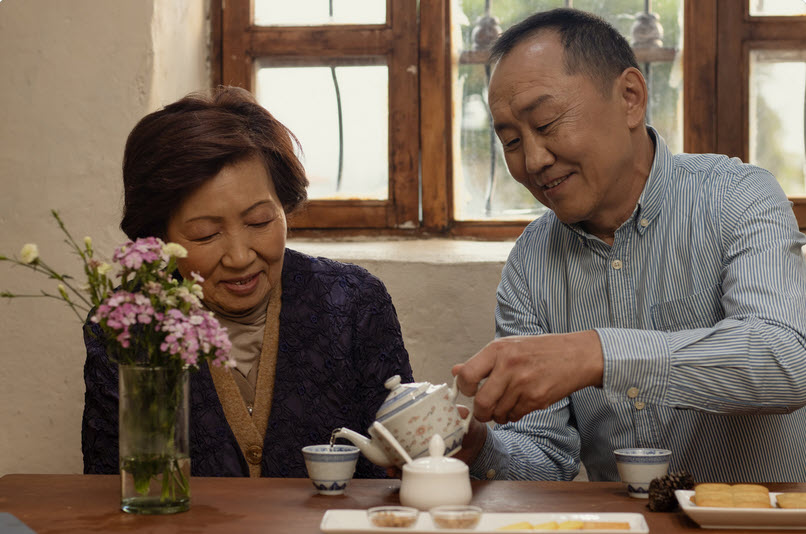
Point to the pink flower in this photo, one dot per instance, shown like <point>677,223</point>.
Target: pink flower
<point>132,255</point>
<point>123,310</point>
<point>194,336</point>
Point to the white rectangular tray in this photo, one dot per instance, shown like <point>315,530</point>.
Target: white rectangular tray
<point>356,521</point>
<point>742,518</point>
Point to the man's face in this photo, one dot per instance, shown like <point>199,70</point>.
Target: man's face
<point>563,140</point>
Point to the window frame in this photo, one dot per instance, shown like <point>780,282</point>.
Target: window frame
<point>737,33</point>
<point>718,36</point>
<point>241,43</point>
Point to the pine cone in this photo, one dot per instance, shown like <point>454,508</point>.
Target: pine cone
<point>661,491</point>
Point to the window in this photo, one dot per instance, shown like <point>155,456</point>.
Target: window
<point>759,88</point>
<point>344,80</point>
<point>748,63</point>
<point>389,98</point>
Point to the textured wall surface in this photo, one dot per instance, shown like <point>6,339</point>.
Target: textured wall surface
<point>76,78</point>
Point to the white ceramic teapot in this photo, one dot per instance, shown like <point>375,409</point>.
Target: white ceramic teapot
<point>412,413</point>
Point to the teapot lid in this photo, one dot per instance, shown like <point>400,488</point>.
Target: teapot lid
<point>436,461</point>
<point>401,396</point>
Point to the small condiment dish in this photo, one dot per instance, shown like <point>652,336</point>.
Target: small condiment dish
<point>455,516</point>
<point>393,516</point>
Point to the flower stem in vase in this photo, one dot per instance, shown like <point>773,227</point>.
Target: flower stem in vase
<point>154,452</point>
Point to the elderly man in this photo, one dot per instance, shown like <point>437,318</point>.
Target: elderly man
<point>660,303</point>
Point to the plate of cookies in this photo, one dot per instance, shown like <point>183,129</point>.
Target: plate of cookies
<point>743,506</point>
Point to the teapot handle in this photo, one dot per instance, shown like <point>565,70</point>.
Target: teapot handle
<point>466,421</point>
<point>454,391</point>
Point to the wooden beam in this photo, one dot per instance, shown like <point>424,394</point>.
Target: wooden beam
<point>319,41</point>
<point>699,76</point>
<point>342,214</point>
<point>731,81</point>
<point>435,116</point>
<point>404,115</point>
<point>236,63</point>
<point>216,43</point>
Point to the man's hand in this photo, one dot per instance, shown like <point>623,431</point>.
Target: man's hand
<point>527,373</point>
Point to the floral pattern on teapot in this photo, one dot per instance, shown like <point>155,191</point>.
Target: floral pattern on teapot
<point>430,414</point>
<point>411,415</point>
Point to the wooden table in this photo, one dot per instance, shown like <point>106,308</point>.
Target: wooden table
<point>90,503</point>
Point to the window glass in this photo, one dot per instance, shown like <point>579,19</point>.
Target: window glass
<point>340,115</point>
<point>318,12</point>
<point>777,92</point>
<point>482,186</point>
<point>767,8</point>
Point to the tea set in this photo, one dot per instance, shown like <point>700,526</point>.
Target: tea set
<point>417,428</point>
<point>411,413</point>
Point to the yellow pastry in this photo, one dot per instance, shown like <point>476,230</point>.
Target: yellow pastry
<point>791,500</point>
<point>523,525</point>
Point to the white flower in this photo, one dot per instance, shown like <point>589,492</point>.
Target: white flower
<point>88,241</point>
<point>29,253</point>
<point>104,268</point>
<point>63,292</point>
<point>175,250</point>
<point>184,294</point>
<point>196,289</point>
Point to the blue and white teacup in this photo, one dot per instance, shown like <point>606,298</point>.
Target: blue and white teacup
<point>330,468</point>
<point>638,467</point>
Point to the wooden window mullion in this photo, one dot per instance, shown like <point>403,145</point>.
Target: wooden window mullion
<point>404,116</point>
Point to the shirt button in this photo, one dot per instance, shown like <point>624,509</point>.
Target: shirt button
<point>644,223</point>
<point>616,264</point>
<point>254,454</point>
<point>490,474</point>
<point>632,392</point>
<point>639,405</point>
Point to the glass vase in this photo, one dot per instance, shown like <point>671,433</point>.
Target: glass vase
<point>153,440</point>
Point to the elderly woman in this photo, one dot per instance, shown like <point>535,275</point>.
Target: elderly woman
<point>313,339</point>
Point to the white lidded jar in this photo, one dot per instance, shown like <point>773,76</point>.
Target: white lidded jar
<point>435,480</point>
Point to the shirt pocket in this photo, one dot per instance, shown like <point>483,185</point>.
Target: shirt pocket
<point>700,310</point>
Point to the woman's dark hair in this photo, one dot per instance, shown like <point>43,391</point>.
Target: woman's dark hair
<point>173,151</point>
<point>591,45</point>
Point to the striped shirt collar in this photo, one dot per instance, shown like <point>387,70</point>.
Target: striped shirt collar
<point>650,203</point>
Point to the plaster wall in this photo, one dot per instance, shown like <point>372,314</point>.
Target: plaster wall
<point>76,78</point>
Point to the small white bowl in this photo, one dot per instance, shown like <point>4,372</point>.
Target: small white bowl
<point>393,516</point>
<point>455,516</point>
<point>330,468</point>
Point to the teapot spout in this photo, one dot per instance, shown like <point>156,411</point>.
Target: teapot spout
<point>369,448</point>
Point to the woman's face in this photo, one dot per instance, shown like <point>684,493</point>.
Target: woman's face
<point>234,230</point>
